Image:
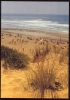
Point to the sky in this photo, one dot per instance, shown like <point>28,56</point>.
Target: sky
<point>23,7</point>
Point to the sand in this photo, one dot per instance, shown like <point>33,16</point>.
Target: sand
<point>14,83</point>
<point>37,33</point>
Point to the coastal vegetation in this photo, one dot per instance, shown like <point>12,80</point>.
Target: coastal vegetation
<point>13,59</point>
<point>45,77</point>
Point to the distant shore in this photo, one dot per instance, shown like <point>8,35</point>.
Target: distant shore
<point>38,33</point>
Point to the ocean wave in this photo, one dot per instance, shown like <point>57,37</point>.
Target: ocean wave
<point>36,23</point>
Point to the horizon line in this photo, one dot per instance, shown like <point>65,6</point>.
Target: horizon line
<point>30,14</point>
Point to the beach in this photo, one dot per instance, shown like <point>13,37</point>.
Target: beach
<point>35,50</point>
<point>14,82</point>
<point>38,33</point>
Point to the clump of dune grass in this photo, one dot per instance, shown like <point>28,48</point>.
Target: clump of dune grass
<point>13,59</point>
<point>40,54</point>
<point>45,78</point>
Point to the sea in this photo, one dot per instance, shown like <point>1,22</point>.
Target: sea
<point>44,22</point>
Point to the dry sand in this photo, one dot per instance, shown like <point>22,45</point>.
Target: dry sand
<point>14,82</point>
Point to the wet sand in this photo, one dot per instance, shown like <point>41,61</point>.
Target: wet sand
<point>37,33</point>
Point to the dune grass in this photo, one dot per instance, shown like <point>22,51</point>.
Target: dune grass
<point>45,77</point>
<point>13,59</point>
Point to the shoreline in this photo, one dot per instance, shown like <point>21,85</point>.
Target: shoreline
<point>37,33</point>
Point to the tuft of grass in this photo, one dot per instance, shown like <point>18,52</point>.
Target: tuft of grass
<point>40,54</point>
<point>43,79</point>
<point>13,59</point>
<point>46,79</point>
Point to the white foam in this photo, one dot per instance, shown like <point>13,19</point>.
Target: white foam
<point>39,23</point>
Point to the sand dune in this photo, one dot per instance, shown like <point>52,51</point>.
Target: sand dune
<point>14,83</point>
